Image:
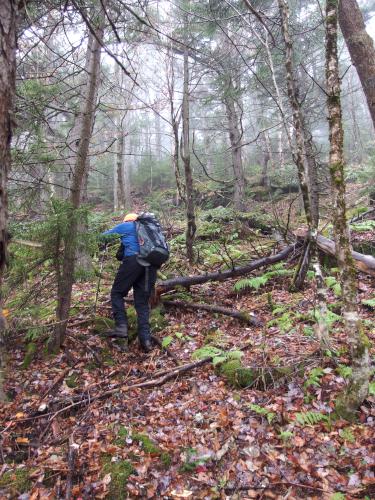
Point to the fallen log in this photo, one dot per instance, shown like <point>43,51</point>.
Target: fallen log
<point>186,281</point>
<point>364,263</point>
<point>248,318</point>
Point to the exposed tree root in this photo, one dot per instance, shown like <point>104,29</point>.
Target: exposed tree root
<point>241,315</point>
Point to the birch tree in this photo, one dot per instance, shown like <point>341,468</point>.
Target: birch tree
<point>357,389</point>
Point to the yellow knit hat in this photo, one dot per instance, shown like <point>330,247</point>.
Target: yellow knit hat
<point>130,217</point>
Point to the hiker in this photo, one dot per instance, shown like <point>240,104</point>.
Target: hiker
<point>132,274</point>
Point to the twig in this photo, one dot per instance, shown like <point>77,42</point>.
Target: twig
<point>241,315</point>
<point>164,348</point>
<point>55,383</point>
<point>72,454</point>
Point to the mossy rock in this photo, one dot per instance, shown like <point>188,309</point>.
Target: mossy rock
<point>236,374</point>
<point>31,349</point>
<point>120,472</point>
<point>241,377</point>
<point>16,482</point>
<point>229,369</point>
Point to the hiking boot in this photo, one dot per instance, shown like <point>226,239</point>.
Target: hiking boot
<point>147,345</point>
<point>121,344</point>
<point>120,331</point>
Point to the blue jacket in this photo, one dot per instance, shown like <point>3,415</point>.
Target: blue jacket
<point>128,233</point>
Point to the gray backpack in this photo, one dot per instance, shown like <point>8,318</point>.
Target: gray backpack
<point>154,249</point>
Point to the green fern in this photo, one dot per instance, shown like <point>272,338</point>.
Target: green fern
<point>370,303</point>
<point>347,435</point>
<point>367,225</point>
<point>311,418</point>
<point>315,376</point>
<point>218,355</point>
<point>334,285</point>
<point>264,412</point>
<point>255,283</point>
<point>344,371</point>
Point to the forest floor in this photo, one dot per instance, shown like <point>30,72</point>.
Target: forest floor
<point>198,434</point>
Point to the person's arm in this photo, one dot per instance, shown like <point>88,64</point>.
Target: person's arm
<point>110,235</point>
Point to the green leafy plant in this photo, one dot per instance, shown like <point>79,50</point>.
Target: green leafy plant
<point>311,418</point>
<point>347,435</point>
<point>257,281</point>
<point>285,321</point>
<point>218,355</point>
<point>371,388</point>
<point>344,371</point>
<point>264,412</point>
<point>337,496</point>
<point>334,285</point>
<point>370,303</point>
<point>366,225</point>
<point>286,436</point>
<point>314,377</point>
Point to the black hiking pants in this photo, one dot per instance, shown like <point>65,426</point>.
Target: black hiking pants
<point>132,275</point>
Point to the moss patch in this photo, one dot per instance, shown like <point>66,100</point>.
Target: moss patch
<point>71,381</point>
<point>157,320</point>
<point>102,325</point>
<point>147,444</point>
<point>120,472</point>
<point>122,434</point>
<point>17,481</point>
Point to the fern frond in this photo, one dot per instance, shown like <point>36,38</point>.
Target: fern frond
<point>311,418</point>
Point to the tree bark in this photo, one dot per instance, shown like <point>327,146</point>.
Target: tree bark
<point>356,392</point>
<point>185,154</point>
<point>361,48</point>
<point>87,116</point>
<point>8,43</point>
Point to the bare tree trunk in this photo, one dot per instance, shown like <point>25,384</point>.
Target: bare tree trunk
<point>87,114</point>
<point>175,121</point>
<point>158,135</point>
<point>357,390</point>
<point>266,157</point>
<point>235,138</point>
<point>8,41</point>
<point>361,48</point>
<point>185,155</point>
<point>119,167</point>
<point>125,168</point>
<point>115,185</point>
